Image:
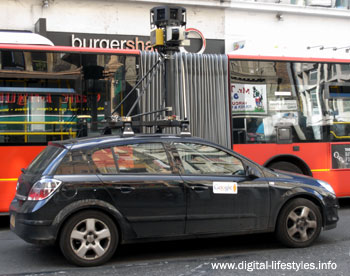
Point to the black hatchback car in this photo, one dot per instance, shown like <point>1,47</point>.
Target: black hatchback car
<point>91,194</point>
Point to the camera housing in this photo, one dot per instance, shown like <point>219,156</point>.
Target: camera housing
<point>168,24</point>
<point>163,16</point>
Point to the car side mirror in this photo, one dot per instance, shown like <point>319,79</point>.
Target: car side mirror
<point>251,173</point>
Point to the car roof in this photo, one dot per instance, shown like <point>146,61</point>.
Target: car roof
<point>91,142</point>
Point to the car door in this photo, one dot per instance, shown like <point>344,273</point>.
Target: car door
<point>144,187</point>
<point>220,196</point>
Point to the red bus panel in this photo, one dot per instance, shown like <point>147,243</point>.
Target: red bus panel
<point>13,158</point>
<point>317,156</point>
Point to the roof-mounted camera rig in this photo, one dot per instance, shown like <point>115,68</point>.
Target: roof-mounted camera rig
<point>168,28</point>
<point>168,24</point>
<point>127,124</point>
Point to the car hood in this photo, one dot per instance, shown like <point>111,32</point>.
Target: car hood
<point>283,176</point>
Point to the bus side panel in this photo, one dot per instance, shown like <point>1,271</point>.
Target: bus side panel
<point>339,179</point>
<point>13,158</point>
<point>315,155</point>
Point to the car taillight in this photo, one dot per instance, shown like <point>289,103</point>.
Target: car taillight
<point>43,188</point>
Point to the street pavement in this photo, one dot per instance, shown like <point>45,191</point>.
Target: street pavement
<point>239,255</point>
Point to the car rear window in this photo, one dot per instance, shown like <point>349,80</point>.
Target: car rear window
<point>40,163</point>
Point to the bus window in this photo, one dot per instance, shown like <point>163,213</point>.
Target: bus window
<point>41,99</point>
<point>280,94</point>
<point>12,60</point>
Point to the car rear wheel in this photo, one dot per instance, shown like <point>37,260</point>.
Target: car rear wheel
<point>89,238</point>
<point>299,223</point>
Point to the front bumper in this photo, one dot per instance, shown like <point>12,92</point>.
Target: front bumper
<point>330,214</point>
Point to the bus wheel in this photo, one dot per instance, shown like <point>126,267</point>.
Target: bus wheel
<point>286,166</point>
<point>299,223</point>
<point>89,238</point>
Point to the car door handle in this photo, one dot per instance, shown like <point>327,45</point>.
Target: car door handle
<point>199,188</point>
<point>125,189</point>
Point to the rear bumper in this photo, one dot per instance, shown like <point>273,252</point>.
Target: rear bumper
<point>30,229</point>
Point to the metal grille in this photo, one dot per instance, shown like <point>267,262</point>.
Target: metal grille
<point>201,83</point>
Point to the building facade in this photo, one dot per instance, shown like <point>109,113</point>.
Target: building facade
<point>126,24</point>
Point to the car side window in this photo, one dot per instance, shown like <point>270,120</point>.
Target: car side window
<point>104,161</point>
<point>204,159</point>
<point>75,162</point>
<point>142,158</point>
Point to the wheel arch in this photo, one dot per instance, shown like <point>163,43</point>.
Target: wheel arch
<point>290,159</point>
<point>123,228</point>
<point>313,198</point>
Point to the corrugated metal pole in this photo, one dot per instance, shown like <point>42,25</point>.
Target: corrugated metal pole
<point>184,81</point>
<point>170,82</point>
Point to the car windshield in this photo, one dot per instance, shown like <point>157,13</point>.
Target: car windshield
<point>44,158</point>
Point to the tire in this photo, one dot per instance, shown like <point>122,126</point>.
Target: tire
<point>299,223</point>
<point>286,166</point>
<point>89,238</point>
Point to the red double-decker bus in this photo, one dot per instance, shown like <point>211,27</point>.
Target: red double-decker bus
<point>293,112</point>
<point>53,93</point>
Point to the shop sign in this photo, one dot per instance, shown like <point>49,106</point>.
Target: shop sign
<point>22,99</point>
<point>136,43</point>
<point>133,44</point>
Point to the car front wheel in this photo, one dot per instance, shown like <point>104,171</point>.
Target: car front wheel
<point>89,238</point>
<point>299,223</point>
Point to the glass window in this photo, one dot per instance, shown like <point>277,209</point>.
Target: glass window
<point>104,161</point>
<point>278,94</point>
<point>338,90</point>
<point>142,158</point>
<point>43,93</point>
<point>12,60</point>
<point>40,163</point>
<point>76,162</point>
<point>37,118</point>
<point>203,159</point>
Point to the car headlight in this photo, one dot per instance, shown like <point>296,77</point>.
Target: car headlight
<point>327,186</point>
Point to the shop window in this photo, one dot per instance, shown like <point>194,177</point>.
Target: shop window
<point>39,61</point>
<point>12,60</point>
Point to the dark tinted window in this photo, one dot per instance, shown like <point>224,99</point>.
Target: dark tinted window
<point>40,163</point>
<point>142,158</point>
<point>76,162</point>
<point>203,159</point>
<point>339,90</point>
<point>12,60</point>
